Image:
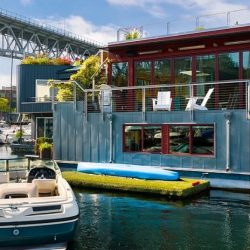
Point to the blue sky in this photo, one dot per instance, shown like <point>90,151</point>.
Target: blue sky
<point>100,19</point>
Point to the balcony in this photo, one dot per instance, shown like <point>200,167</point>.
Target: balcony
<point>225,95</point>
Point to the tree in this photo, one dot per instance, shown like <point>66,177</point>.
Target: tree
<point>90,68</point>
<point>4,105</point>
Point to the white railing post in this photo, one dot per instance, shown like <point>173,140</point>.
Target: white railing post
<point>86,105</point>
<point>143,103</point>
<point>248,100</point>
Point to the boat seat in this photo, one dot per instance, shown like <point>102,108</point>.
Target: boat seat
<point>45,186</point>
<point>4,177</point>
<point>18,190</point>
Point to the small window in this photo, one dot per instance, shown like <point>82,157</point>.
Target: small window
<point>132,138</point>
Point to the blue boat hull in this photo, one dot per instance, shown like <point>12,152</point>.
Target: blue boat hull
<point>130,171</point>
<point>36,235</point>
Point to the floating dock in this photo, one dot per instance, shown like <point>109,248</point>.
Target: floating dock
<point>171,189</point>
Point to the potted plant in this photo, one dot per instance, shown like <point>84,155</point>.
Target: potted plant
<point>46,150</point>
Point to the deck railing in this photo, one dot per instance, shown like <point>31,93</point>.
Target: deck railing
<point>224,95</point>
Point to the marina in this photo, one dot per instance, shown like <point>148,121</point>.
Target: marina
<point>139,143</point>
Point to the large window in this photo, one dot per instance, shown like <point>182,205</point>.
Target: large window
<point>183,75</point>
<point>162,72</point>
<point>246,64</point>
<point>229,70</point>
<point>205,68</point>
<point>44,127</point>
<point>170,139</point>
<point>143,73</point>
<point>120,74</point>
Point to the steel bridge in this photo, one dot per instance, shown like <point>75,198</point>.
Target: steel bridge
<point>21,36</point>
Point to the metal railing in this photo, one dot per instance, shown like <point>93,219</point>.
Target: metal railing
<point>187,24</point>
<point>225,95</point>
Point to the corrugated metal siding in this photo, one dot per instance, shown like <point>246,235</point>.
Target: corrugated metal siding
<point>76,139</point>
<point>26,87</point>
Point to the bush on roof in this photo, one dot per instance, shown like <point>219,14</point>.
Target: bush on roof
<point>43,59</point>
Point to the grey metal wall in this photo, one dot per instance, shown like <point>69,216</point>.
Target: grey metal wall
<point>76,139</point>
<point>26,87</point>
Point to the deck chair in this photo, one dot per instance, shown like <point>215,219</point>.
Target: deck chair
<point>163,101</point>
<point>105,97</point>
<point>192,101</point>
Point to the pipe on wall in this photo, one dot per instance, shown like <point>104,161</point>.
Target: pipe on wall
<point>228,124</point>
<point>109,116</point>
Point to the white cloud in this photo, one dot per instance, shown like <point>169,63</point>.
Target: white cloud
<point>85,29</point>
<point>159,8</point>
<point>25,2</point>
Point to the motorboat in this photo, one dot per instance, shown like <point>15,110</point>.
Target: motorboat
<point>37,205</point>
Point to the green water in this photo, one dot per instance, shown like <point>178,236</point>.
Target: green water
<point>215,220</point>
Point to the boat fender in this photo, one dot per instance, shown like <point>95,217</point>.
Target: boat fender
<point>195,183</point>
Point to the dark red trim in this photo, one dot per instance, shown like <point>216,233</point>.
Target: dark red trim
<point>232,33</point>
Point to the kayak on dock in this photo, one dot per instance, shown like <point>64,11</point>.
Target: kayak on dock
<point>130,171</point>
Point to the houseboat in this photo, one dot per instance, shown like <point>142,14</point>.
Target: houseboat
<point>178,102</point>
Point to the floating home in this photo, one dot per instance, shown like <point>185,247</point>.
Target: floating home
<point>179,102</point>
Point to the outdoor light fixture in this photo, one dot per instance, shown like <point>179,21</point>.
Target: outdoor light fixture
<point>237,42</point>
<point>192,47</point>
<point>150,52</point>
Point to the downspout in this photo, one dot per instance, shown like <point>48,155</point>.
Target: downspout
<point>109,116</point>
<point>228,122</point>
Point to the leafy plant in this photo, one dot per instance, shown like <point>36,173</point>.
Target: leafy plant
<point>45,146</point>
<point>43,59</point>
<point>40,141</point>
<point>89,68</point>
<point>65,90</point>
<point>19,133</point>
<point>133,34</point>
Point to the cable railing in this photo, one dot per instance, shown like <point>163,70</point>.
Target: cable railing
<point>223,95</point>
<point>188,24</point>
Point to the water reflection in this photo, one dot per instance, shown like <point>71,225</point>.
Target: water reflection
<point>120,221</point>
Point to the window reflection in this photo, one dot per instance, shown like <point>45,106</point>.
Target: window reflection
<point>152,139</point>
<point>143,73</point>
<point>132,138</point>
<point>246,64</point>
<point>228,70</point>
<point>162,72</point>
<point>179,139</point>
<point>120,74</point>
<point>203,140</point>
<point>183,74</point>
<point>44,127</point>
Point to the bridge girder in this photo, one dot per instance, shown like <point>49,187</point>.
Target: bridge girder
<point>20,38</point>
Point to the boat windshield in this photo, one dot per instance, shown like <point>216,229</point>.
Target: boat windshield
<point>22,163</point>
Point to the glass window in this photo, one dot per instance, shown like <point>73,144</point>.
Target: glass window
<point>183,74</point>
<point>179,139</point>
<point>228,70</point>
<point>43,91</point>
<point>162,72</point>
<point>183,70</point>
<point>152,138</point>
<point>205,68</point>
<point>44,127</point>
<point>143,73</point>
<point>246,64</point>
<point>120,74</point>
<point>229,66</point>
<point>203,140</point>
<point>132,138</point>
